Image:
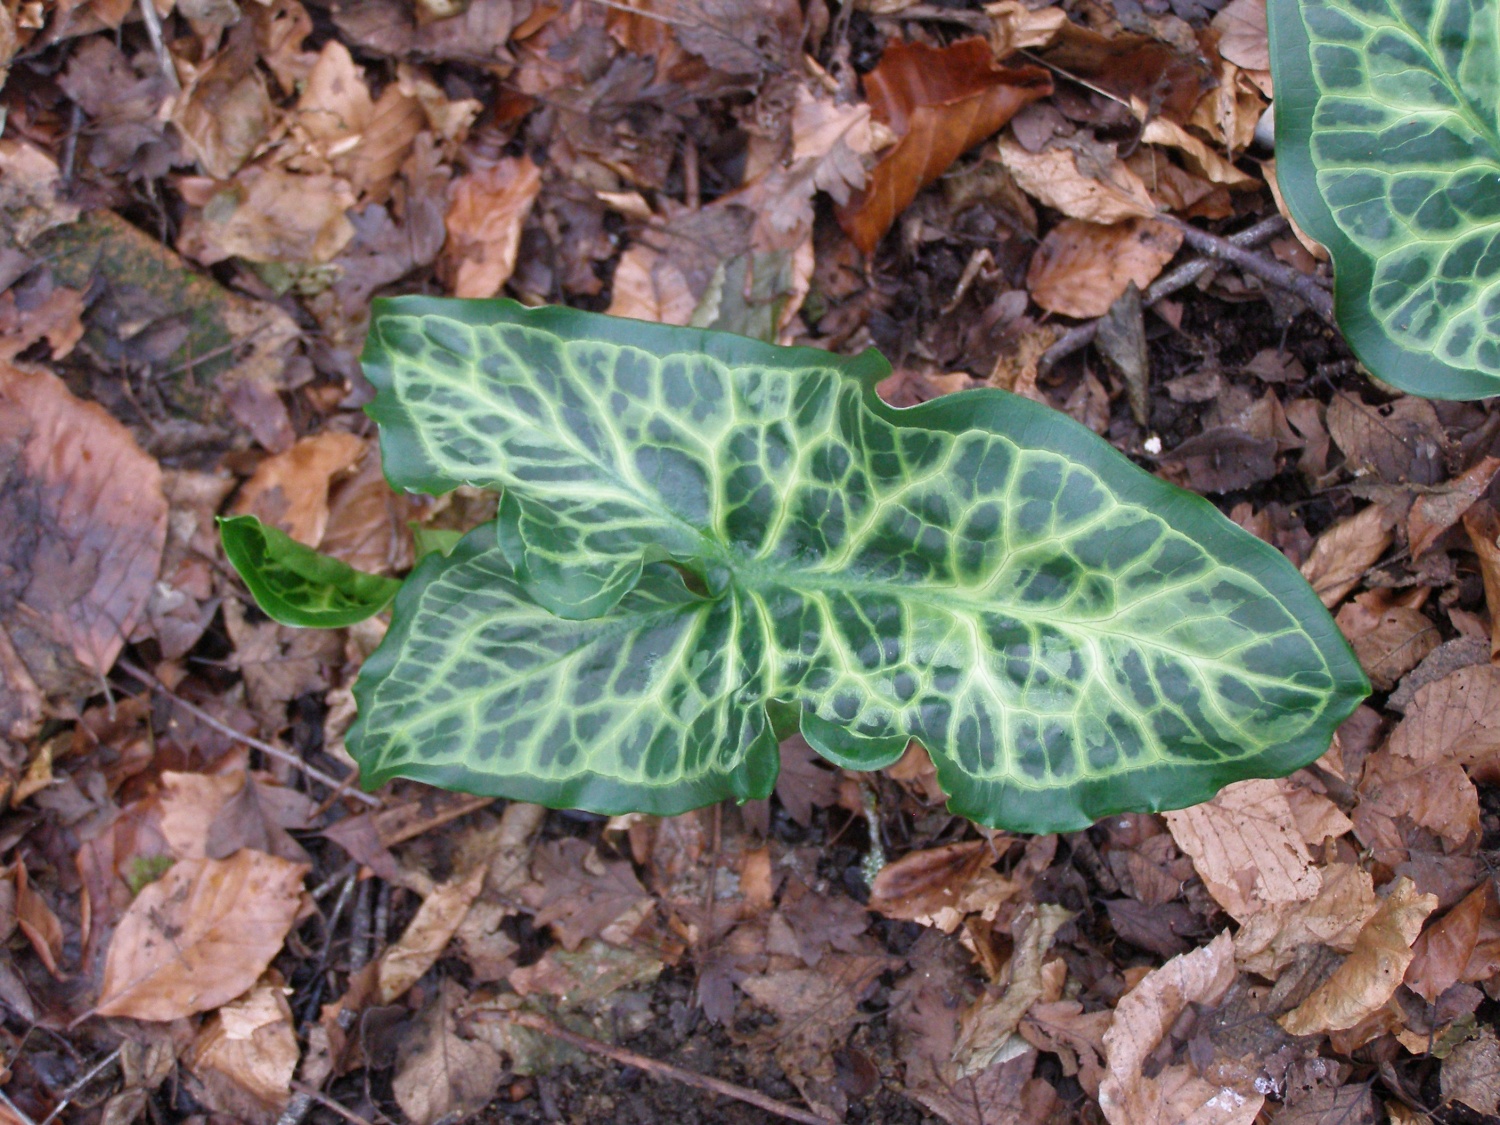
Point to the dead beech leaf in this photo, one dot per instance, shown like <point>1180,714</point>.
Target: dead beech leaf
<point>1435,512</point>
<point>1246,847</point>
<point>57,318</point>
<point>488,207</point>
<point>1143,1018</point>
<point>1471,1074</point>
<point>1081,268</point>
<point>83,522</point>
<point>939,102</point>
<point>988,1028</point>
<point>1400,443</point>
<point>224,112</point>
<point>1241,25</point>
<point>649,286</point>
<point>581,896</point>
<point>1372,972</point>
<point>428,934</point>
<point>212,816</point>
<point>1198,156</point>
<point>1441,956</point>
<point>1482,523</point>
<point>38,922</point>
<point>1456,718</point>
<point>1271,940</point>
<point>200,935</point>
<point>941,886</point>
<point>1390,640</point>
<point>440,1075</point>
<point>1344,552</point>
<point>271,215</point>
<point>248,1048</point>
<point>1107,193</point>
<point>290,490</point>
<point>1016,27</point>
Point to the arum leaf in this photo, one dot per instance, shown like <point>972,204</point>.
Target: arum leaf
<point>295,584</point>
<point>1388,153</point>
<point>731,525</point>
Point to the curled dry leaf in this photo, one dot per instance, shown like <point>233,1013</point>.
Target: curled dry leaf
<point>1197,155</point>
<point>648,285</point>
<point>488,207</point>
<point>1435,512</point>
<point>1344,552</point>
<point>428,934</point>
<point>1372,972</point>
<point>38,922</point>
<point>1143,1018</point>
<point>290,490</point>
<point>1081,268</point>
<point>83,521</point>
<point>988,1028</point>
<point>1454,949</point>
<point>1482,523</point>
<point>271,215</point>
<point>1457,719</point>
<point>248,1048</point>
<point>1272,939</point>
<point>1241,25</point>
<point>1107,193</point>
<point>939,102</point>
<point>1246,846</point>
<point>200,935</point>
<point>941,886</point>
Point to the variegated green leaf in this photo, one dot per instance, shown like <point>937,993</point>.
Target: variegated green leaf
<point>295,584</point>
<point>1388,152</point>
<point>1067,635</point>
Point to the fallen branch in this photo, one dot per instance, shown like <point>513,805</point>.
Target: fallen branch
<point>266,748</point>
<point>1075,339</point>
<point>659,1069</point>
<point>1317,298</point>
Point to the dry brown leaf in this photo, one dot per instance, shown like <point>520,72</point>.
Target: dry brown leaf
<point>648,286</point>
<point>427,934</point>
<point>1482,523</point>
<point>1081,269</point>
<point>212,816</point>
<point>38,922</point>
<point>440,1075</point>
<point>1310,244</point>
<point>593,972</point>
<point>488,207</point>
<point>290,490</point>
<point>1401,442</point>
<point>1435,512</point>
<point>1076,1037</point>
<point>56,317</point>
<point>1442,955</point>
<point>1471,1074</point>
<point>939,102</point>
<point>1344,552</point>
<point>581,896</point>
<point>988,1028</point>
<point>1456,719</point>
<point>1107,193</point>
<point>84,522</point>
<point>1016,27</point>
<point>200,935</point>
<point>1372,972</point>
<point>224,112</point>
<point>1143,1018</point>
<point>1241,25</point>
<point>1197,155</point>
<point>1271,940</point>
<point>941,886</point>
<point>248,1048</point>
<point>271,215</point>
<point>831,139</point>
<point>1247,848</point>
<point>1390,640</point>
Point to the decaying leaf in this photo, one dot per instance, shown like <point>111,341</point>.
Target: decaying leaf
<point>1471,1074</point>
<point>290,490</point>
<point>1109,192</point>
<point>1389,639</point>
<point>1143,1018</point>
<point>941,886</point>
<point>1400,443</point>
<point>1271,939</point>
<point>581,896</point>
<point>440,1075</point>
<point>1081,268</point>
<point>1433,513</point>
<point>246,1053</point>
<point>1461,946</point>
<point>1372,972</point>
<point>428,934</point>
<point>939,102</point>
<point>200,935</point>
<point>987,1029</point>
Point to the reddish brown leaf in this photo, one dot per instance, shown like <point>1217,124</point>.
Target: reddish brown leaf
<point>941,886</point>
<point>1345,551</point>
<point>1441,956</point>
<point>484,225</point>
<point>1081,268</point>
<point>1482,523</point>
<point>940,102</point>
<point>38,922</point>
<point>290,490</point>
<point>1390,640</point>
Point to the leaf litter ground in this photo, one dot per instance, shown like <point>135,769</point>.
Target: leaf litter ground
<point>1070,202</point>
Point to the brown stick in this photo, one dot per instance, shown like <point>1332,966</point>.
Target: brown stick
<point>660,1069</point>
<point>264,747</point>
<point>1081,336</point>
<point>1317,298</point>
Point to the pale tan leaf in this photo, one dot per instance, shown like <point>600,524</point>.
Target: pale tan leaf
<point>1345,901</point>
<point>489,206</point>
<point>1198,156</point>
<point>251,1043</point>
<point>290,490</point>
<point>649,286</point>
<point>1112,194</point>
<point>942,886</point>
<point>1372,972</point>
<point>1143,1018</point>
<point>1344,552</point>
<point>1017,27</point>
<point>271,215</point>
<point>1081,269</point>
<point>428,934</point>
<point>989,1026</point>
<point>1455,719</point>
<point>1246,846</point>
<point>200,935</point>
<point>38,922</point>
<point>1390,640</point>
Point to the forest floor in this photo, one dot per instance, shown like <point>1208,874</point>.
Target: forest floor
<point>203,920</point>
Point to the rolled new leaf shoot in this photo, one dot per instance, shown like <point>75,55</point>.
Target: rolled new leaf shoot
<point>696,527</point>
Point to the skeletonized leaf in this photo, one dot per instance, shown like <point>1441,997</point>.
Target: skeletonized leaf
<point>200,935</point>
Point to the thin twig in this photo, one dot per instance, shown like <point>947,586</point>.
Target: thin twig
<point>1075,339</point>
<point>158,43</point>
<point>1317,298</point>
<point>660,1069</point>
<point>326,1102</point>
<point>264,747</point>
<point>20,1114</point>
<point>72,1091</point>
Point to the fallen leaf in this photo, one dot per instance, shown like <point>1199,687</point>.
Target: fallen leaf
<point>942,886</point>
<point>1353,1104</point>
<point>1471,1074</point>
<point>648,285</point>
<point>1143,1018</point>
<point>581,896</point>
<point>1344,552</point>
<point>290,490</point>
<point>83,522</point>
<point>440,1075</point>
<point>1016,27</point>
<point>1372,972</point>
<point>1401,442</point>
<point>939,102</point>
<point>594,971</point>
<point>200,935</point>
<point>427,934</point>
<point>55,316</point>
<point>1441,957</point>
<point>212,816</point>
<point>269,214</point>
<point>1389,640</point>
<point>1433,513</point>
<point>988,1028</point>
<point>224,112</point>
<point>486,210</point>
<point>1108,192</point>
<point>476,34</point>
<point>1247,848</point>
<point>1455,719</point>
<point>363,141</point>
<point>37,921</point>
<point>1241,25</point>
<point>1076,1037</point>
<point>1081,268</point>
<point>1271,939</point>
<point>248,1047</point>
<point>1197,155</point>
<point>1482,523</point>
